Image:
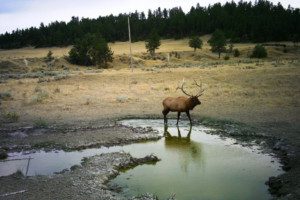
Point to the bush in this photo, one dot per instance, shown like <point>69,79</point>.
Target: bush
<point>259,51</point>
<point>40,95</point>
<point>40,123</point>
<point>5,96</point>
<point>11,117</point>
<point>90,50</point>
<point>226,57</point>
<point>236,53</point>
<point>49,56</point>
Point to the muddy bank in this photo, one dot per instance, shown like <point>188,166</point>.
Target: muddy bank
<point>72,138</point>
<point>87,181</point>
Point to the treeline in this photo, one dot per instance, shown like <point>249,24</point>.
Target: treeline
<point>241,22</point>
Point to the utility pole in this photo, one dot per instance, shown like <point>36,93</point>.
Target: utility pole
<point>129,33</point>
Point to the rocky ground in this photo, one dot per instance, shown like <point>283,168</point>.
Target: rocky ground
<point>72,137</point>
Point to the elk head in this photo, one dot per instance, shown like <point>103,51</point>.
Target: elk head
<point>193,99</point>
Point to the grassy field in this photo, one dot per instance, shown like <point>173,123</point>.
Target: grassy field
<point>251,91</point>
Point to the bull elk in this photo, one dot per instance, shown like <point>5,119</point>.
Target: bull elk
<point>181,104</point>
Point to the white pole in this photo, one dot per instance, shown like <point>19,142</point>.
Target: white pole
<point>129,33</point>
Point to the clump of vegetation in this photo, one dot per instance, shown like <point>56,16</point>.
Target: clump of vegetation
<point>3,154</point>
<point>49,56</point>
<point>5,96</point>
<point>40,123</point>
<point>259,51</point>
<point>40,95</point>
<point>218,42</point>
<point>153,42</point>
<point>195,42</point>
<point>226,57</point>
<point>11,117</point>
<point>91,50</point>
<point>236,53</point>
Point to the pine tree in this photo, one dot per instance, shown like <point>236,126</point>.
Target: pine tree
<point>153,42</point>
<point>195,42</point>
<point>217,42</point>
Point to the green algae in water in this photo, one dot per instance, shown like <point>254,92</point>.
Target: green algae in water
<point>196,165</point>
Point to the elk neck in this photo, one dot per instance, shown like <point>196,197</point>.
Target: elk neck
<point>190,103</point>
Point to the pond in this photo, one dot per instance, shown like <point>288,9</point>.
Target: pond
<point>194,164</point>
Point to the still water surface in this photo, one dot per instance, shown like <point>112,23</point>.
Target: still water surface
<point>194,164</point>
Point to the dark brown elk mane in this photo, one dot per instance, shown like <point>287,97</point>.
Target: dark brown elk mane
<point>182,104</point>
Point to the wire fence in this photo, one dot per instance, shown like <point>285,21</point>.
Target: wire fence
<point>26,172</point>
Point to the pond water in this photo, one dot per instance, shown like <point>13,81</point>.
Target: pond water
<point>194,164</point>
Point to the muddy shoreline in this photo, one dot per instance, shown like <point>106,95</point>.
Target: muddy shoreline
<point>109,133</point>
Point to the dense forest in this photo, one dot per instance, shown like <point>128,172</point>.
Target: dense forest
<point>242,22</point>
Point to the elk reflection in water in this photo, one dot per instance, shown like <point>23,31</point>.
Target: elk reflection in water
<point>189,151</point>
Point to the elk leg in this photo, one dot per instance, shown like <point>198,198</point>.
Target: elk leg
<point>188,114</point>
<point>178,116</point>
<point>165,112</point>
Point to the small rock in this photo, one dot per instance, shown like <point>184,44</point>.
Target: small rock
<point>122,99</point>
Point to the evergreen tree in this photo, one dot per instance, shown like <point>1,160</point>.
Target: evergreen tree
<point>243,21</point>
<point>101,53</point>
<point>195,42</point>
<point>217,42</point>
<point>153,42</point>
<point>49,56</point>
<point>90,50</point>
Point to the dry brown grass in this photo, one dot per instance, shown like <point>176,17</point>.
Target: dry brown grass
<point>241,89</point>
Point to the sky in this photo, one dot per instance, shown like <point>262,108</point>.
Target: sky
<point>26,13</point>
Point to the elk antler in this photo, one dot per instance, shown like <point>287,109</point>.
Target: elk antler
<point>201,90</point>
<point>181,88</point>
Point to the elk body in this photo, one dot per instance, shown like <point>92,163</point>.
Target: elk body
<point>181,104</point>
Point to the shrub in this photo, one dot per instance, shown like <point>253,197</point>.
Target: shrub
<point>11,117</point>
<point>40,123</point>
<point>259,51</point>
<point>226,57</point>
<point>236,53</point>
<point>5,96</point>
<point>40,95</point>
<point>90,50</point>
